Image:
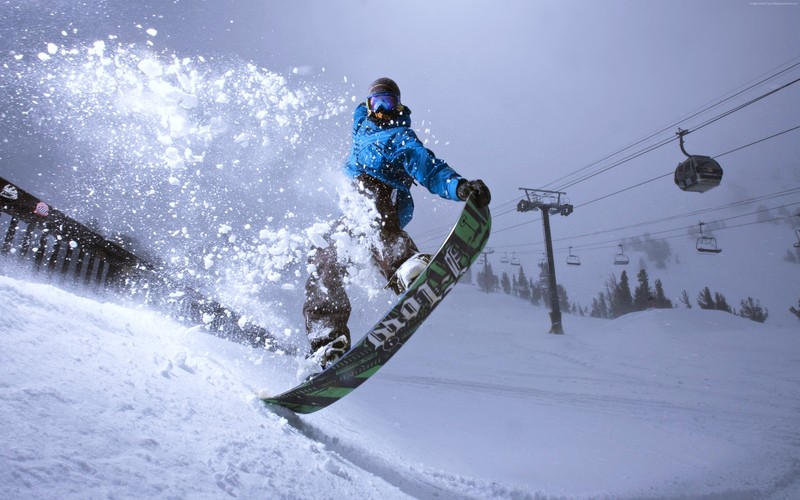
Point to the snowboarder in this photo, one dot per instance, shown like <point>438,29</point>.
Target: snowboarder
<point>385,160</point>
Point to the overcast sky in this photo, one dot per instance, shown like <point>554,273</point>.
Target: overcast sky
<point>518,93</point>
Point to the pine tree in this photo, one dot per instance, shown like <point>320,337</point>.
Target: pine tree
<point>495,283</point>
<point>522,284</point>
<point>705,300</point>
<point>721,304</point>
<point>619,295</point>
<point>624,299</point>
<point>486,278</point>
<point>505,283</point>
<point>642,295</point>
<point>595,311</point>
<point>751,309</point>
<point>599,307</point>
<point>536,293</point>
<point>662,302</point>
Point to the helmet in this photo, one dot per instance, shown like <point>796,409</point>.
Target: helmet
<point>384,85</point>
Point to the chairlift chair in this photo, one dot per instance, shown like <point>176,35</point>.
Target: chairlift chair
<point>621,259</point>
<point>697,173</point>
<point>797,233</point>
<point>504,259</point>
<point>573,260</point>
<point>706,244</point>
<point>514,260</point>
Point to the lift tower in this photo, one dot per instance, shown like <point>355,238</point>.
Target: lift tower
<point>549,202</point>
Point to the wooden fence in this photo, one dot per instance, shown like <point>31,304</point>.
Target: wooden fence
<point>44,239</point>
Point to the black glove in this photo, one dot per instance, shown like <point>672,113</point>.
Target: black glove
<point>482,194</point>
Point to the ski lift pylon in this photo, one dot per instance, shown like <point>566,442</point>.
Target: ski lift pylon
<point>706,244</point>
<point>573,260</point>
<point>697,173</point>
<point>621,259</point>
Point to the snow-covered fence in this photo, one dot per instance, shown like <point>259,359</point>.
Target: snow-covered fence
<point>44,239</point>
<point>48,240</point>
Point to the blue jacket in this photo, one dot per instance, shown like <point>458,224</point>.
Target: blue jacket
<point>394,155</point>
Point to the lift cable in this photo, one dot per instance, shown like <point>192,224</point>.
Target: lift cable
<point>614,242</point>
<point>694,213</point>
<point>745,87</point>
<point>656,146</point>
<point>758,141</point>
<point>439,233</point>
<point>675,123</point>
<point>742,106</point>
<point>670,173</point>
<point>495,231</point>
<point>671,139</point>
<point>667,141</point>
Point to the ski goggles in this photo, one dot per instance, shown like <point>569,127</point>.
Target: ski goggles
<point>384,101</point>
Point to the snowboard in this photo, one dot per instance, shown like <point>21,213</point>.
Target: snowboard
<point>461,248</point>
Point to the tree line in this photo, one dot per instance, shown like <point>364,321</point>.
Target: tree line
<point>537,291</point>
<point>617,298</point>
<point>748,308</point>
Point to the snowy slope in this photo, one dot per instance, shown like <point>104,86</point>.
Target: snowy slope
<point>100,400</point>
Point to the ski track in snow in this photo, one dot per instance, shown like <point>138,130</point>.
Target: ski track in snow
<point>615,405</point>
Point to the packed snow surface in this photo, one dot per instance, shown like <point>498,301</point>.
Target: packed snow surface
<point>104,401</point>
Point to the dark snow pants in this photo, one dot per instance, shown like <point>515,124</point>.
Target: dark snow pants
<point>327,307</point>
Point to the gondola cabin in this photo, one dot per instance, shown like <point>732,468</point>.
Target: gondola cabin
<point>698,173</point>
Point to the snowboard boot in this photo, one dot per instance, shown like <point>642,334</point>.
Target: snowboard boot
<point>328,354</point>
<point>408,272</point>
<point>327,346</point>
